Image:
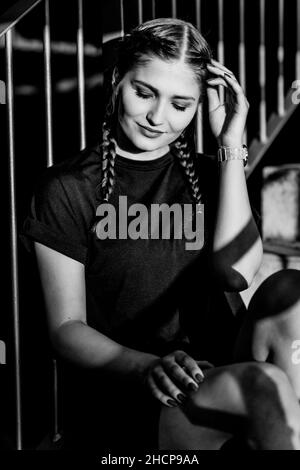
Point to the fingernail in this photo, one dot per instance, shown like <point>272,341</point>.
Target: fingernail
<point>192,387</point>
<point>172,402</point>
<point>199,378</point>
<point>181,398</point>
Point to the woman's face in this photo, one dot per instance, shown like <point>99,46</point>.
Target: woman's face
<point>157,102</point>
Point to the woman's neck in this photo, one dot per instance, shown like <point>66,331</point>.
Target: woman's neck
<point>151,155</point>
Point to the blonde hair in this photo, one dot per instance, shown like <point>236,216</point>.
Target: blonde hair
<point>168,39</point>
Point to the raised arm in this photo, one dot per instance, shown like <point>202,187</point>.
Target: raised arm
<point>237,243</point>
<point>237,247</point>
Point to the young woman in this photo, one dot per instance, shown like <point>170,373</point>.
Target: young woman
<point>135,311</point>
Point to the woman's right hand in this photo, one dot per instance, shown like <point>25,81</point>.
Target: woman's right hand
<point>171,377</point>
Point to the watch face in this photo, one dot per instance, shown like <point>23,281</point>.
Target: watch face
<point>246,153</point>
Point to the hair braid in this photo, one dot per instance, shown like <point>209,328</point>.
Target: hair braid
<point>186,159</point>
<point>108,161</point>
<point>108,157</point>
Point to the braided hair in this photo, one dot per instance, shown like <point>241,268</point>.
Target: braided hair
<point>167,39</point>
<point>108,155</point>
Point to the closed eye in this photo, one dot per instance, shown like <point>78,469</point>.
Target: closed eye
<point>142,94</point>
<point>179,108</point>
<point>145,95</point>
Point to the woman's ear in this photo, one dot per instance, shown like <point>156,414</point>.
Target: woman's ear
<point>115,79</point>
<point>115,82</point>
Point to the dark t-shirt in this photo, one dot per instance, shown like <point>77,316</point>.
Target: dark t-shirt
<point>148,294</point>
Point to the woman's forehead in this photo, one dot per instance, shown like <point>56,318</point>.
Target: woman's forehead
<point>175,77</point>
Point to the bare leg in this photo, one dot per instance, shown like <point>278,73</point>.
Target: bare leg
<point>272,328</point>
<point>251,400</point>
<point>265,397</point>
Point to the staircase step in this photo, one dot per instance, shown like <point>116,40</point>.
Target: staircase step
<point>50,443</point>
<point>280,248</point>
<point>281,205</point>
<point>274,123</point>
<point>257,149</point>
<point>280,223</point>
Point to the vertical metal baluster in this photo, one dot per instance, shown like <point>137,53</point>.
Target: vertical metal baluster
<point>280,84</point>
<point>242,54</point>
<point>49,133</point>
<point>122,17</point>
<point>198,14</point>
<point>153,9</point>
<point>174,9</point>
<point>262,76</point>
<point>47,77</point>
<point>221,42</point>
<point>80,74</point>
<point>298,42</point>
<point>13,234</point>
<point>199,122</point>
<point>56,434</point>
<point>140,11</point>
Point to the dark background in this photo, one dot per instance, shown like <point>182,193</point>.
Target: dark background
<point>31,155</point>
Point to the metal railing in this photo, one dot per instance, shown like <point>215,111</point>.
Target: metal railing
<point>22,8</point>
<point>8,22</point>
<point>280,23</point>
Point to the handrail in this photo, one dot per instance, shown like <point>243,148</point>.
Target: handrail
<point>15,13</point>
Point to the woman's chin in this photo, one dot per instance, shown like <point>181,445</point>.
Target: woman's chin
<point>148,145</point>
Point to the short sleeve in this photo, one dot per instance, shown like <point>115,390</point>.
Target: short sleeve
<point>55,217</point>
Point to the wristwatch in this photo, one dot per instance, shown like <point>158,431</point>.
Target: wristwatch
<point>233,153</point>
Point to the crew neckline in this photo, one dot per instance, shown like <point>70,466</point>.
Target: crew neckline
<point>159,162</point>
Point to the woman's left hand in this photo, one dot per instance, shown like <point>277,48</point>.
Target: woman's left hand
<point>228,119</point>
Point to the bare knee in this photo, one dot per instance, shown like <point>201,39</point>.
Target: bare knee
<point>273,319</point>
<point>253,400</point>
<point>272,406</point>
<point>241,389</point>
<point>276,295</point>
<point>272,329</point>
<point>275,312</point>
<point>258,378</point>
<point>261,402</point>
<point>232,389</point>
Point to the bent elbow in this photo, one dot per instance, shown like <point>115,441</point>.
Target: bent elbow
<point>234,282</point>
<point>238,276</point>
<point>62,337</point>
<point>231,279</point>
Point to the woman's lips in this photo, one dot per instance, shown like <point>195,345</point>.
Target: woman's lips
<point>150,132</point>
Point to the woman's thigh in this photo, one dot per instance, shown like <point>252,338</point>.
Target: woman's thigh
<point>271,330</point>
<point>252,401</point>
<point>209,416</point>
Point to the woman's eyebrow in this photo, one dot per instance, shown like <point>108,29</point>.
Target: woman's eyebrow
<point>155,90</point>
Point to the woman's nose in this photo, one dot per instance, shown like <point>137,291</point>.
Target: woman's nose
<point>155,114</point>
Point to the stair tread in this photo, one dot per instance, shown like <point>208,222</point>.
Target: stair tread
<point>275,123</point>
<point>281,247</point>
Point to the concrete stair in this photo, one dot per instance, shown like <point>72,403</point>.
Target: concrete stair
<point>280,223</point>
<point>257,149</point>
